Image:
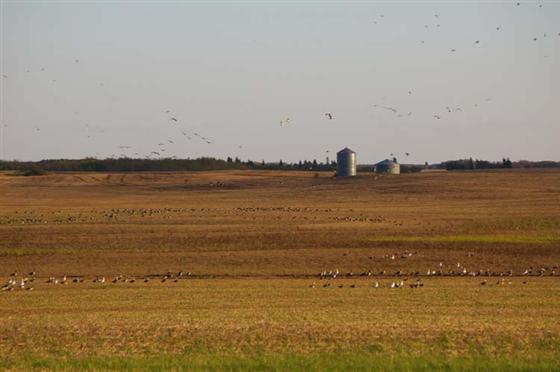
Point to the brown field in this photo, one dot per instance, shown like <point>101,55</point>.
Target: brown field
<point>254,242</point>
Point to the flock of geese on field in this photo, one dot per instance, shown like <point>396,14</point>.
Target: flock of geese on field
<point>461,271</point>
<point>126,214</point>
<point>399,279</point>
<point>25,282</point>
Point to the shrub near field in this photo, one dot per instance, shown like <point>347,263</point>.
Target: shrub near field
<point>255,243</point>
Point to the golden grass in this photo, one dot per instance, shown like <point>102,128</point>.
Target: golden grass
<point>278,315</point>
<point>261,235</point>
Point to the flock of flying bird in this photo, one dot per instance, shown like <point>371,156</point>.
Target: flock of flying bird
<point>161,149</point>
<point>408,113</point>
<point>191,135</point>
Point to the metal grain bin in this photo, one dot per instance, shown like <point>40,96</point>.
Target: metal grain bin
<point>388,166</point>
<point>345,163</point>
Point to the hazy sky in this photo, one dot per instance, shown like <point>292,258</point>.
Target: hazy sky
<point>83,78</point>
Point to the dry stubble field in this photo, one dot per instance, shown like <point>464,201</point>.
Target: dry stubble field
<point>254,244</point>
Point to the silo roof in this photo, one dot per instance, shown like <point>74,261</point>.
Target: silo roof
<point>386,161</point>
<point>346,150</point>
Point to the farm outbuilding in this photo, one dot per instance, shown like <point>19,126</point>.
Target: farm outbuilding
<point>345,163</point>
<point>387,166</point>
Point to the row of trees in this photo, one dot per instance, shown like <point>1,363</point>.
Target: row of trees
<point>465,164</point>
<point>137,165</point>
<point>204,164</point>
<point>122,164</point>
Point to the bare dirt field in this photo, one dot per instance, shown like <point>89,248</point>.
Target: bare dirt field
<point>280,270</point>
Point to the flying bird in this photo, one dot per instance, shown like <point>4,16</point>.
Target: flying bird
<point>329,115</point>
<point>437,117</point>
<point>283,122</point>
<point>174,119</point>
<point>390,109</point>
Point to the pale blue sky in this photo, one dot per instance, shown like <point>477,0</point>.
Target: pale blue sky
<point>230,71</point>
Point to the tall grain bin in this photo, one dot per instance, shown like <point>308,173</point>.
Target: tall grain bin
<point>388,166</point>
<point>345,163</point>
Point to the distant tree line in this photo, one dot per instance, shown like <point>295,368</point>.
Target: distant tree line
<point>467,164</point>
<point>207,164</point>
<point>120,165</point>
<point>169,164</point>
<point>536,164</point>
<point>302,165</point>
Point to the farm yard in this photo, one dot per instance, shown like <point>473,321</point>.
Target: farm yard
<point>280,270</point>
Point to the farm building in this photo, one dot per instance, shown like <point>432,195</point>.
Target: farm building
<point>387,166</point>
<point>345,163</point>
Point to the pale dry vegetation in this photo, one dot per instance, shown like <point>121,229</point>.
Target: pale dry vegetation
<point>256,241</point>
